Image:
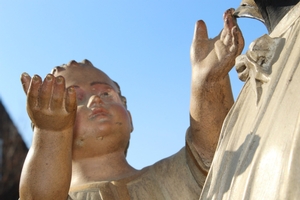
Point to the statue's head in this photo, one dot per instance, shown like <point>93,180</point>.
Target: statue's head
<point>103,123</point>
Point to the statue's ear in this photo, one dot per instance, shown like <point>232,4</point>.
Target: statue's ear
<point>129,114</point>
<point>130,118</point>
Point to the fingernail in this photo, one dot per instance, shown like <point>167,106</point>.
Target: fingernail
<point>49,77</point>
<point>25,74</point>
<point>71,90</point>
<point>35,78</point>
<point>59,80</point>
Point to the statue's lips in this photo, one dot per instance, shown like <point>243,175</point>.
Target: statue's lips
<point>98,112</point>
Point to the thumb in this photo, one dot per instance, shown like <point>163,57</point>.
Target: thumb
<point>200,32</point>
<point>200,45</point>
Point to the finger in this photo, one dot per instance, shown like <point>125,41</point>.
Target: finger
<point>239,40</point>
<point>229,19</point>
<point>58,93</point>
<point>226,37</point>
<point>46,92</point>
<point>234,45</point>
<point>200,44</point>
<point>229,23</point>
<point>200,32</point>
<point>25,80</point>
<point>70,100</point>
<point>33,92</point>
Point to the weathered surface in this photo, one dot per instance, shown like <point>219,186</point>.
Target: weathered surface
<point>175,177</point>
<point>12,155</point>
<point>258,151</point>
<point>82,129</point>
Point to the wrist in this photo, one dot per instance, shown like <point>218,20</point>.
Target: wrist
<point>52,138</point>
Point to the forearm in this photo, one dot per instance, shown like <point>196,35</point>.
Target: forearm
<point>210,103</point>
<point>211,95</point>
<point>46,173</point>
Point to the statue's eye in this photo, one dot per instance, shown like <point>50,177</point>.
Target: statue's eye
<point>105,94</point>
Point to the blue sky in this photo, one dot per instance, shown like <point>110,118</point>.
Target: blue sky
<point>143,45</point>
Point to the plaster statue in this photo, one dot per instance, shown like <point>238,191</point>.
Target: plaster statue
<point>82,129</point>
<point>258,152</point>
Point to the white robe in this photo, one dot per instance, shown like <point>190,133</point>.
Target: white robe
<point>258,155</point>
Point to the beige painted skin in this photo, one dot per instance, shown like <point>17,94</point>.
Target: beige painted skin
<point>211,95</point>
<point>73,144</point>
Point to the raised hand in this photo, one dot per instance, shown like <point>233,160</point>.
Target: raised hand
<point>215,57</point>
<point>211,96</point>
<point>46,173</point>
<point>50,105</point>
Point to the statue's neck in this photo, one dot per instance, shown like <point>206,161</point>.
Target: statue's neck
<point>109,167</point>
<point>272,12</point>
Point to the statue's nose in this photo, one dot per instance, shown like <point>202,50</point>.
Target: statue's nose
<point>94,101</point>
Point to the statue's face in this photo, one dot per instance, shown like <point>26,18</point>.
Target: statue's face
<point>101,115</point>
<point>248,8</point>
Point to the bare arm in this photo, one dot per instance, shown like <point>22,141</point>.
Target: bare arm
<point>46,173</point>
<point>211,95</point>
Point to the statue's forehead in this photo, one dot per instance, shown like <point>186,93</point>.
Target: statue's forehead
<point>83,72</point>
<point>88,77</point>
